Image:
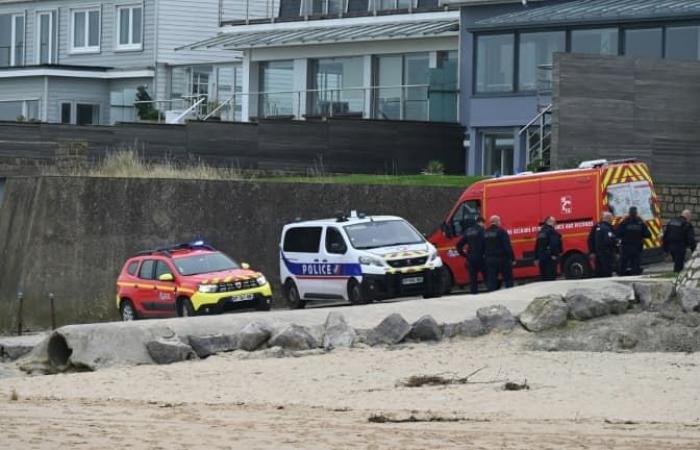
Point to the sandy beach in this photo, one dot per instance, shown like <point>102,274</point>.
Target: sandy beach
<point>324,401</point>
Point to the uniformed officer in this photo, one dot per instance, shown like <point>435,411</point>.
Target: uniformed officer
<point>679,235</point>
<point>632,231</point>
<point>605,246</point>
<point>498,255</point>
<point>473,238</point>
<point>548,249</point>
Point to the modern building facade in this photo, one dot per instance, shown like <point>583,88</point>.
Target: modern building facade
<point>506,55</point>
<point>307,59</point>
<point>82,61</point>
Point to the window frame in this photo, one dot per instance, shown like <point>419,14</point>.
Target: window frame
<point>87,49</point>
<point>142,266</point>
<point>53,18</point>
<point>13,39</point>
<point>131,46</point>
<point>329,230</point>
<point>316,229</point>
<point>74,111</point>
<point>514,63</point>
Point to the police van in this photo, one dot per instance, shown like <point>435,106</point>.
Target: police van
<point>357,258</point>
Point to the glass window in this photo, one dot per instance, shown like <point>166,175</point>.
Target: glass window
<point>276,85</point>
<point>597,41</point>
<point>302,240</point>
<point>498,154</point>
<point>133,267</point>
<point>388,94</point>
<point>335,244</point>
<point>66,112</point>
<point>180,82</point>
<point>683,43</point>
<point>623,196</point>
<point>393,4</point>
<point>129,27</point>
<point>494,64</point>
<point>536,49</point>
<point>205,263</point>
<point>87,114</point>
<point>385,233</point>
<point>358,6</point>
<point>325,7</point>
<point>336,86</point>
<point>85,30</point>
<point>416,77</point>
<point>45,38</point>
<point>644,43</point>
<point>5,39</point>
<point>402,87</point>
<point>146,272</point>
<point>11,40</point>
<point>465,216</point>
<point>290,8</point>
<point>443,87</point>
<point>18,41</point>
<point>162,269</point>
<point>10,110</point>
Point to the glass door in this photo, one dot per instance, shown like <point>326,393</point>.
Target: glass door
<point>498,154</point>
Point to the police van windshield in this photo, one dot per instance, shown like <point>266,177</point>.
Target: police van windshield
<point>386,233</point>
<point>622,196</point>
<point>205,263</point>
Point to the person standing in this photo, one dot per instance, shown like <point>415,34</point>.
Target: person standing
<point>632,231</point>
<point>548,249</point>
<point>498,254</point>
<point>679,235</point>
<point>605,246</point>
<point>473,238</point>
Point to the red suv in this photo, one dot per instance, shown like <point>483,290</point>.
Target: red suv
<point>185,280</point>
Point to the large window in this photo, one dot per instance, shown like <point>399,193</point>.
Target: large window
<point>443,87</point>
<point>393,4</point>
<point>683,43</point>
<point>335,86</point>
<point>19,110</point>
<point>85,31</point>
<point>644,43</point>
<point>536,50</point>
<point>276,85</point>
<point>80,113</point>
<point>402,87</point>
<point>325,7</point>
<point>130,27</point>
<point>46,37</point>
<point>596,41</point>
<point>11,40</point>
<point>494,63</point>
<point>302,240</point>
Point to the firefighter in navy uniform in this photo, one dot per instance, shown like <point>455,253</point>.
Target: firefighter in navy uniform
<point>548,249</point>
<point>498,254</point>
<point>605,246</point>
<point>473,238</point>
<point>632,231</point>
<point>679,235</point>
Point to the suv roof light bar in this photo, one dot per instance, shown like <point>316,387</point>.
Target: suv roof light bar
<point>184,246</point>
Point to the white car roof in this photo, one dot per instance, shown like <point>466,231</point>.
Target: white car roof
<point>349,221</point>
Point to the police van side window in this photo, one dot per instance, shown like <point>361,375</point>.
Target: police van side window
<point>146,272</point>
<point>465,216</point>
<point>132,268</point>
<point>335,244</point>
<point>302,240</point>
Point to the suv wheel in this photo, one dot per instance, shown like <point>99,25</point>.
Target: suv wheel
<point>185,308</point>
<point>127,311</point>
<point>355,294</point>
<point>291,294</point>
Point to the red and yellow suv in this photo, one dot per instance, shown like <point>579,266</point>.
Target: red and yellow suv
<point>185,280</point>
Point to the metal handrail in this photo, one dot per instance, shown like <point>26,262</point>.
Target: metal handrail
<point>190,109</point>
<point>537,117</point>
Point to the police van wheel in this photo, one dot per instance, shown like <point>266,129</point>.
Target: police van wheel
<point>291,294</point>
<point>576,267</point>
<point>355,294</point>
<point>185,308</point>
<point>127,311</point>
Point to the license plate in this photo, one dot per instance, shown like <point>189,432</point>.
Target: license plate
<point>242,298</point>
<point>412,280</point>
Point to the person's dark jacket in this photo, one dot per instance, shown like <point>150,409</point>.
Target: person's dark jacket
<point>473,238</point>
<point>632,231</point>
<point>548,243</point>
<point>497,243</point>
<point>679,233</point>
<point>605,240</point>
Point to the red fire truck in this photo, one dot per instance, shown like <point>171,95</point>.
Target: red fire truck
<point>576,198</point>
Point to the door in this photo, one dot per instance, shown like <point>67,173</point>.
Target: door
<point>164,303</point>
<point>301,254</point>
<point>464,216</point>
<point>146,291</point>
<point>334,254</point>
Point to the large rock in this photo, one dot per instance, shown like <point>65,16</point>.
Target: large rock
<point>253,336</point>
<point>209,345</point>
<point>689,298</point>
<point>652,295</point>
<point>293,337</point>
<point>469,328</point>
<point>392,330</point>
<point>496,317</point>
<point>617,296</point>
<point>168,351</point>
<point>14,347</point>
<point>586,304</point>
<point>337,332</point>
<point>426,329</point>
<point>544,313</point>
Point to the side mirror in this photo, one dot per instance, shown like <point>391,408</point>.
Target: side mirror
<point>166,277</point>
<point>245,266</point>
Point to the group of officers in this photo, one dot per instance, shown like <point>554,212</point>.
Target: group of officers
<point>489,250</point>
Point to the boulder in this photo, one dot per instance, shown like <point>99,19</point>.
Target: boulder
<point>618,297</point>
<point>168,351</point>
<point>426,329</point>
<point>496,317</point>
<point>293,337</point>
<point>651,295</point>
<point>14,347</point>
<point>586,304</point>
<point>689,298</point>
<point>205,346</point>
<point>253,336</point>
<point>392,330</point>
<point>544,313</point>
<point>337,332</point>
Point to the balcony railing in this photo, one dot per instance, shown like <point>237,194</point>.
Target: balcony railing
<point>237,12</point>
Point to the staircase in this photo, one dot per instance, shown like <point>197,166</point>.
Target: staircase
<point>538,131</point>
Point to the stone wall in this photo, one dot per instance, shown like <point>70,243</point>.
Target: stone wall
<point>675,198</point>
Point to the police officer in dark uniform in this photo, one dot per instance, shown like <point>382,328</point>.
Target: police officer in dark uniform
<point>548,249</point>
<point>473,238</point>
<point>498,254</point>
<point>632,231</point>
<point>679,235</point>
<point>605,246</point>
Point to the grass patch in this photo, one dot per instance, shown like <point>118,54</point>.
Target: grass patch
<point>460,181</point>
<point>436,380</point>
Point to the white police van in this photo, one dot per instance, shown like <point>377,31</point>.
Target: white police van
<point>357,258</point>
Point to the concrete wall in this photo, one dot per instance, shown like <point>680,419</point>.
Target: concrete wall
<point>71,235</point>
<point>675,198</point>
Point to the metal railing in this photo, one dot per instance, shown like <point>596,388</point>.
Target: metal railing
<point>539,139</point>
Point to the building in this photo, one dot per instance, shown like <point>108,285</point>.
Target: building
<point>506,54</point>
<point>374,59</point>
<point>81,62</point>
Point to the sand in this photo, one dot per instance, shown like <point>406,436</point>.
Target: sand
<point>324,401</point>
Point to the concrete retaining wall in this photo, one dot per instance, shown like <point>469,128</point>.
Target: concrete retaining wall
<point>675,198</point>
<point>71,235</point>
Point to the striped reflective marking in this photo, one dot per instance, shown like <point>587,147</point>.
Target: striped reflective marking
<point>401,255</point>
